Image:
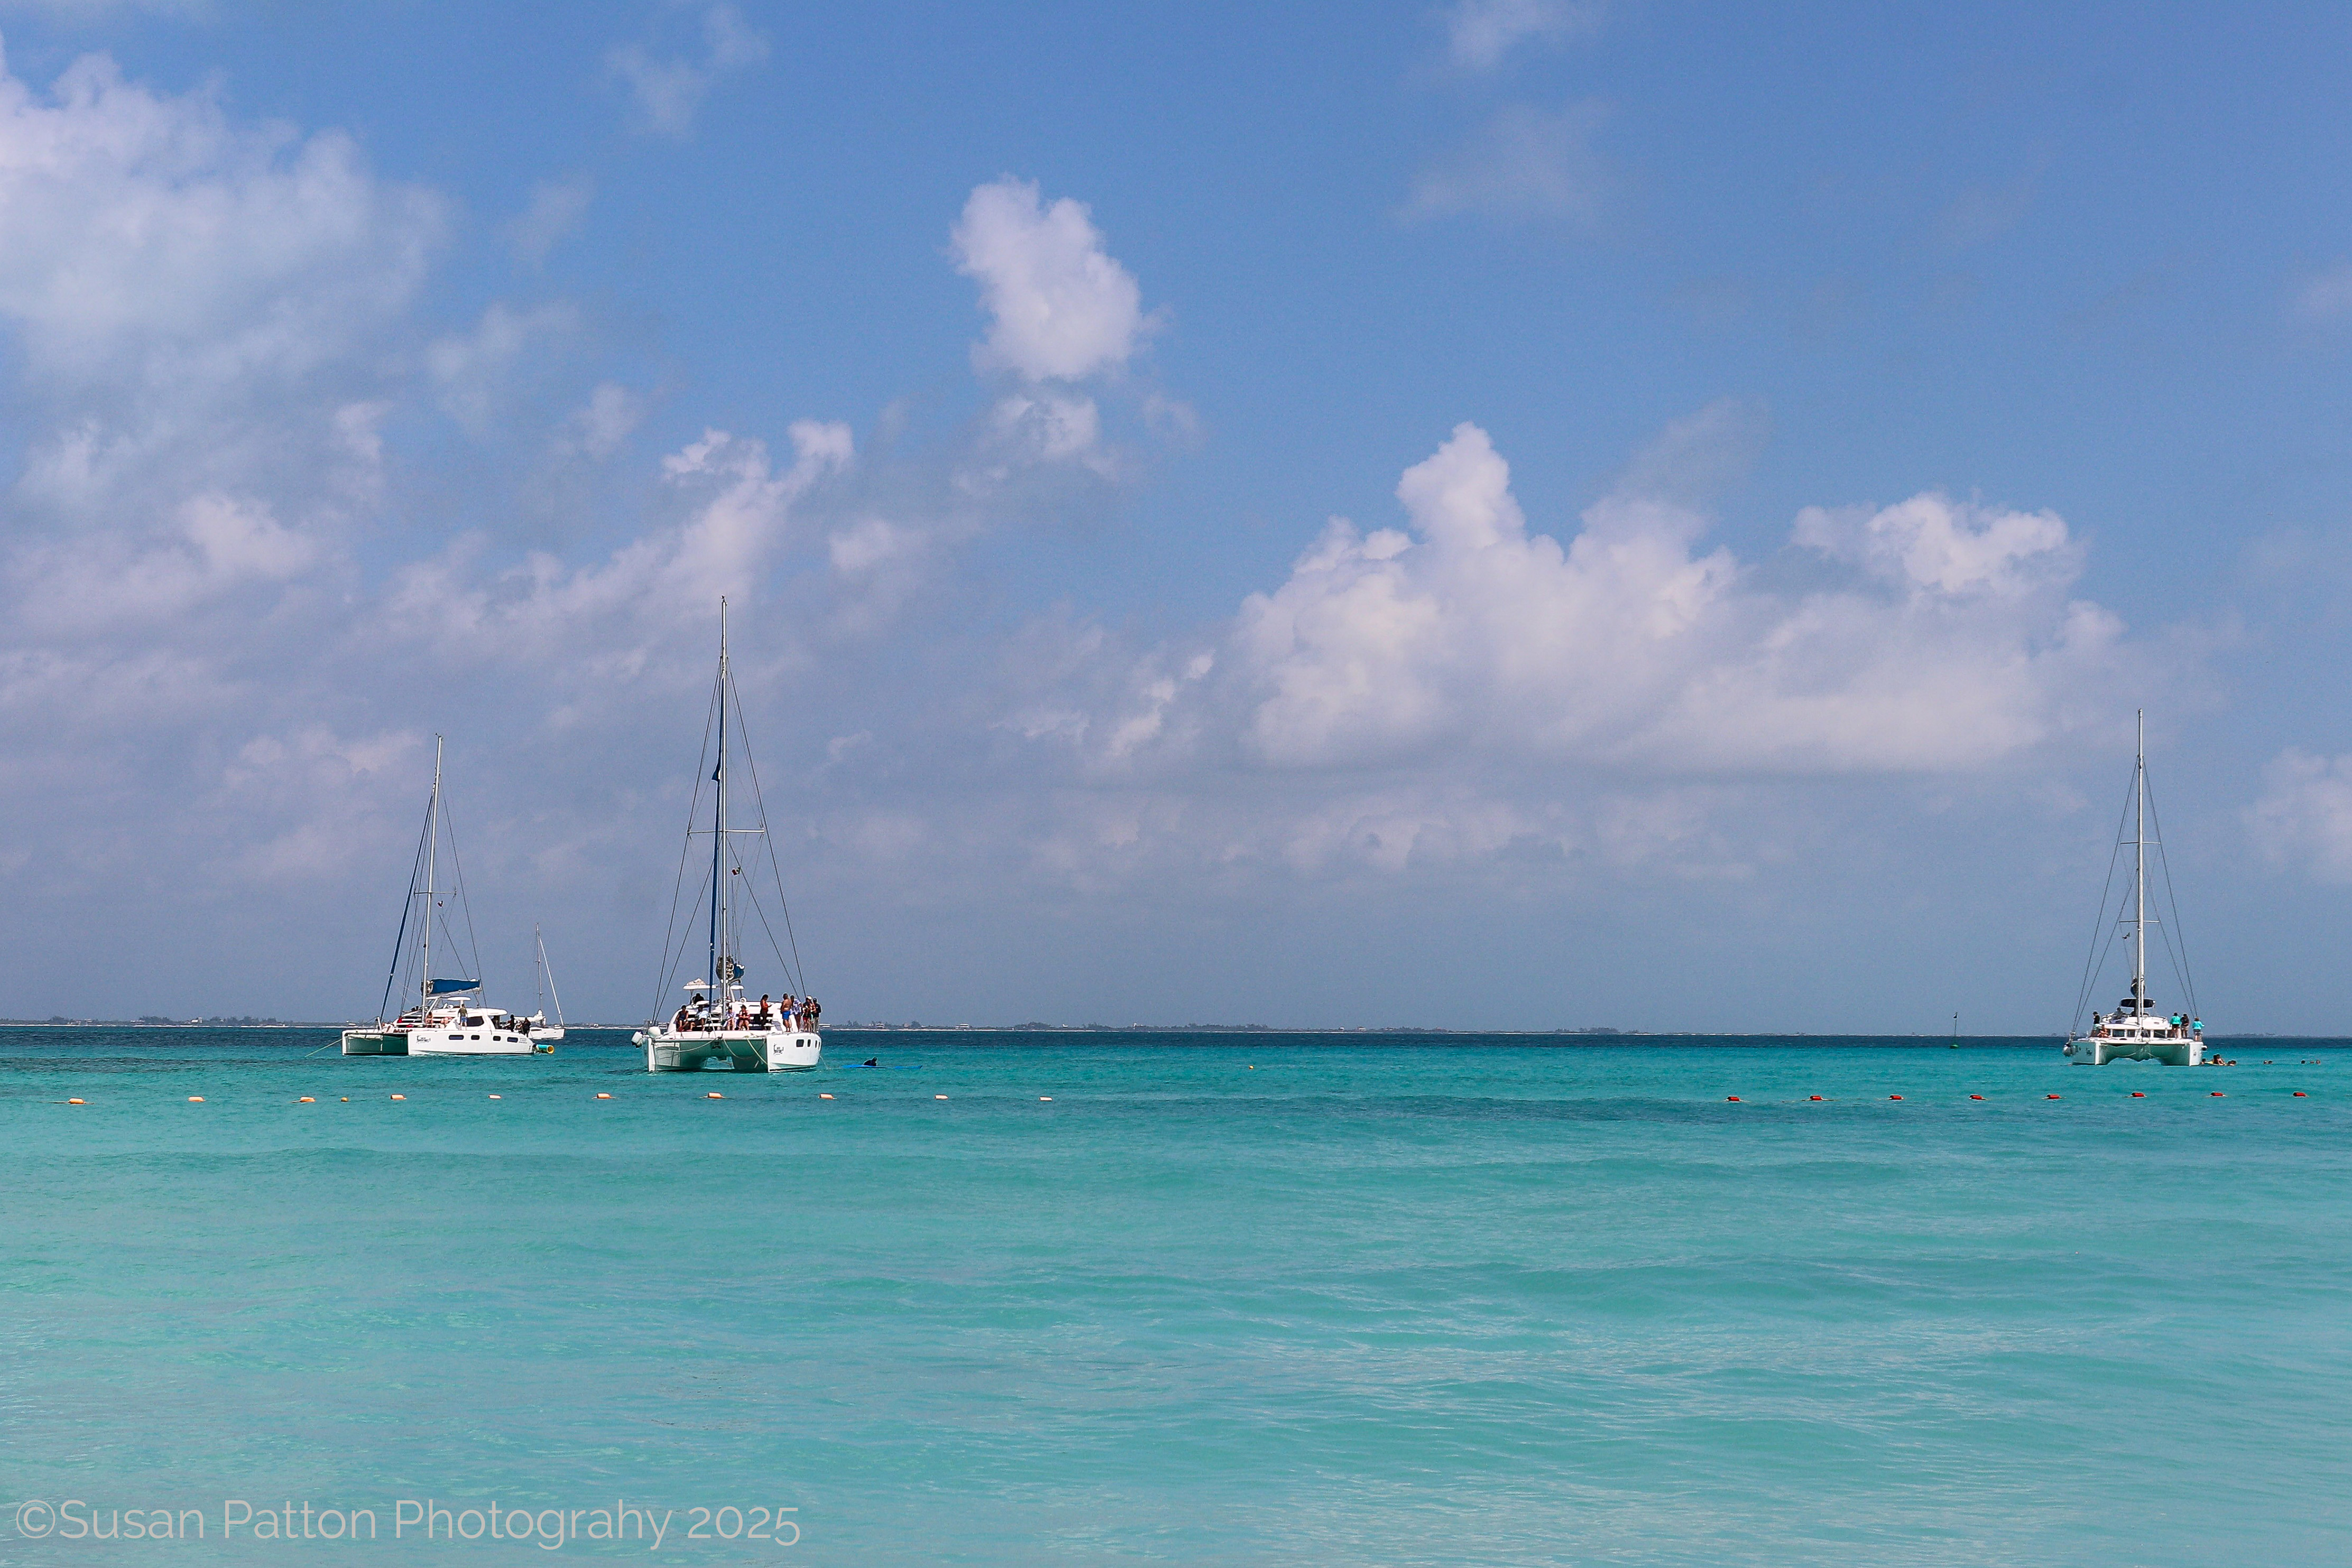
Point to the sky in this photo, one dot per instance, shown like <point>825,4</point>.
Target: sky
<point>1500,514</point>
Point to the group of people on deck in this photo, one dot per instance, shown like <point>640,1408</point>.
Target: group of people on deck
<point>2181,1025</point>
<point>791,1013</point>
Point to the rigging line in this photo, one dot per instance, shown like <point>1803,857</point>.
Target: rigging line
<point>2114,858</point>
<point>799,972</point>
<point>2188,982</point>
<point>757,908</point>
<point>686,940</point>
<point>662,980</point>
<point>463,903</point>
<point>407,907</point>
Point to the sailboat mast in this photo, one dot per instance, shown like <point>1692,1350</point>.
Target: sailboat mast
<point>2139,857</point>
<point>432,849</point>
<point>718,837</point>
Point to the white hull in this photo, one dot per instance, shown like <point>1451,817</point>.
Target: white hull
<point>2091,1051</point>
<point>482,1041</point>
<point>736,1050</point>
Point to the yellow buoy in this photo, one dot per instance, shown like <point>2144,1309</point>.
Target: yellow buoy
<point>77,1102</point>
<point>400,1097</point>
<point>601,1095</point>
<point>714,1094</point>
<point>308,1099</point>
<point>195,1100</point>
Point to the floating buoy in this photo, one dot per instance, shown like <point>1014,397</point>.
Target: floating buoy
<point>2138,1094</point>
<point>938,1097</point>
<point>308,1100</point>
<point>602,1095</point>
<point>2298,1094</point>
<point>2049,1097</point>
<point>714,1094</point>
<point>1976,1097</point>
<point>195,1100</point>
<point>84,1103</point>
<point>824,1097</point>
<point>497,1096</point>
<point>2218,1095</point>
<point>1813,1097</point>
<point>1893,1097</point>
<point>1044,1099</point>
<point>400,1097</point>
<point>347,1099</point>
<point>1732,1097</point>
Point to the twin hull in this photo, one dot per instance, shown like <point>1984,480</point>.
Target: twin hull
<point>737,1050</point>
<point>2090,1052</point>
<point>484,1042</point>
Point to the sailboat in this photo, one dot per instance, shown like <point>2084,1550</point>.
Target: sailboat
<point>541,1031</point>
<point>446,1017</point>
<point>718,1025</point>
<point>2134,1031</point>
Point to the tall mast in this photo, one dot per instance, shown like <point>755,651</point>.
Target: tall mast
<point>718,837</point>
<point>2139,859</point>
<point>432,849</point>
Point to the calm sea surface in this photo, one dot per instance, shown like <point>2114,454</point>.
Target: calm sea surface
<point>1268,1298</point>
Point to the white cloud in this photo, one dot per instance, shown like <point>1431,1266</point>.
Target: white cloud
<point>598,430</point>
<point>1480,33</point>
<point>152,242</point>
<point>2303,818</point>
<point>1061,308</point>
<point>555,210</point>
<point>1525,162</point>
<point>1631,650</point>
<point>669,90</point>
<point>477,371</point>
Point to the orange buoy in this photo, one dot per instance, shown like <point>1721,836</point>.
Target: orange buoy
<point>824,1097</point>
<point>2298,1094</point>
<point>714,1094</point>
<point>308,1100</point>
<point>400,1097</point>
<point>602,1095</point>
<point>85,1103</point>
<point>1976,1097</point>
<point>347,1099</point>
<point>2049,1097</point>
<point>2137,1094</point>
<point>1732,1097</point>
<point>2218,1095</point>
<point>195,1100</point>
<point>1813,1097</point>
<point>1893,1097</point>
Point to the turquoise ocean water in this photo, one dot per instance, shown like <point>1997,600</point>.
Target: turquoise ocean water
<point>1294,1300</point>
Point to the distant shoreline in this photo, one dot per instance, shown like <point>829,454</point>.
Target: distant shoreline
<point>1580,1036</point>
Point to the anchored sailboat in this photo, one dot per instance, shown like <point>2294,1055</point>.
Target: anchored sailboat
<point>2134,1031</point>
<point>718,1024</point>
<point>540,1029</point>
<point>445,1019</point>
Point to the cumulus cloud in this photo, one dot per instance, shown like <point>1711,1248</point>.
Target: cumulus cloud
<point>2303,818</point>
<point>1480,33</point>
<point>1060,307</point>
<point>554,211</point>
<point>669,91</point>
<point>1526,163</point>
<point>1949,642</point>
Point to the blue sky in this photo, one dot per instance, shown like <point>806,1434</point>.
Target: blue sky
<point>1779,448</point>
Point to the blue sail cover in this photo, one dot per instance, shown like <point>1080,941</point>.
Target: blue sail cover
<point>442,987</point>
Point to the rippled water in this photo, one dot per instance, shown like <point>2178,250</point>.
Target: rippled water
<point>1222,1299</point>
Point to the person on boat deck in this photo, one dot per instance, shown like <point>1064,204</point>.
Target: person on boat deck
<point>763,1009</point>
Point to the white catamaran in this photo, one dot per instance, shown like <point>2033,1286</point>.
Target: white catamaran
<point>718,1025</point>
<point>446,1019</point>
<point>2136,1031</point>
